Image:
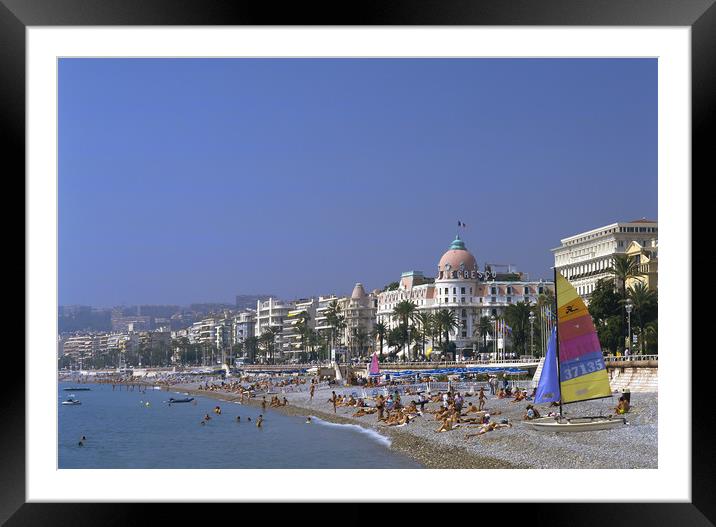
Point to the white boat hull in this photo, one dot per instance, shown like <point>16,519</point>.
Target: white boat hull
<point>577,424</point>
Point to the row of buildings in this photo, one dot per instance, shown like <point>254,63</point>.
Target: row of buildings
<point>458,284</point>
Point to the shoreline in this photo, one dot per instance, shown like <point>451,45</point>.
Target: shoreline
<point>419,449</point>
<point>518,447</point>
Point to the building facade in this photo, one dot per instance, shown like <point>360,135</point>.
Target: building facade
<point>463,288</point>
<point>647,258</point>
<point>585,258</point>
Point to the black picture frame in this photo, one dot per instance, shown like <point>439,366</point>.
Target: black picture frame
<point>699,15</point>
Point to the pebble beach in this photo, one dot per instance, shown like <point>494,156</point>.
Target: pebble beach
<point>626,447</point>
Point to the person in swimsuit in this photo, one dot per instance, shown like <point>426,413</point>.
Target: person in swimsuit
<point>260,421</point>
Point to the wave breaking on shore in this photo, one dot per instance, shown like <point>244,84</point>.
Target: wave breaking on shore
<point>366,431</point>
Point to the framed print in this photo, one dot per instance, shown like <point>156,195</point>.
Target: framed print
<point>308,257</point>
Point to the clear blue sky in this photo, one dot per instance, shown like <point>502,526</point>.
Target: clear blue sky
<point>193,180</point>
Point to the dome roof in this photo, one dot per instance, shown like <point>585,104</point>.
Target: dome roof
<point>457,258</point>
<point>358,292</point>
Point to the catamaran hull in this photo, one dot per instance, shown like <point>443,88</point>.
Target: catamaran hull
<point>583,424</point>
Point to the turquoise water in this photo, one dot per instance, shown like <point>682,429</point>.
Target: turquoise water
<point>123,432</point>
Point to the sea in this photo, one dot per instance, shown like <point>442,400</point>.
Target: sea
<point>138,429</point>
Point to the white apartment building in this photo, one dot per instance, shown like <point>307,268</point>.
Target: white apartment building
<point>272,313</point>
<point>244,324</point>
<point>290,336</point>
<point>584,258</point>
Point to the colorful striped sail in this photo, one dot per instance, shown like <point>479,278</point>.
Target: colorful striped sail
<point>582,373</point>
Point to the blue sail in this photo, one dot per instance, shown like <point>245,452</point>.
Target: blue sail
<point>548,388</point>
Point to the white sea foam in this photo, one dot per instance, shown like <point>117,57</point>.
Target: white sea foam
<point>367,431</point>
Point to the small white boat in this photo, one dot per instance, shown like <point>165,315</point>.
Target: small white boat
<point>71,402</point>
<point>577,424</point>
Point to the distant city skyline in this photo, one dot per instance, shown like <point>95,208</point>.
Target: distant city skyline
<point>193,180</point>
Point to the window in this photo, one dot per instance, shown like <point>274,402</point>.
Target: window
<point>527,290</point>
<point>462,290</point>
<point>509,290</point>
<point>493,290</point>
<point>464,312</point>
<point>494,299</point>
<point>446,300</point>
<point>471,290</point>
<point>509,299</point>
<point>540,290</point>
<point>462,299</point>
<point>454,290</point>
<point>454,300</point>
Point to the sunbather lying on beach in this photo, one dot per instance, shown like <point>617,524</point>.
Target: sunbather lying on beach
<point>488,428</point>
<point>446,426</point>
<point>365,411</point>
<point>519,396</point>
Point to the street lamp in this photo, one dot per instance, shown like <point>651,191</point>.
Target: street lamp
<point>629,306</point>
<point>532,332</point>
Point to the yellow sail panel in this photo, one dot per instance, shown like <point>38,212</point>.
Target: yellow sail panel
<point>591,386</point>
<point>565,292</point>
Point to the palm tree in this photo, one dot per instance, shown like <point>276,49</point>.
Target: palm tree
<point>622,269</point>
<point>448,322</point>
<point>483,329</point>
<point>251,345</point>
<point>304,329</point>
<point>405,311</point>
<point>380,331</point>
<point>645,302</point>
<point>651,336</point>
<point>361,338</point>
<point>517,317</point>
<point>424,321</point>
<point>333,314</point>
<point>268,338</point>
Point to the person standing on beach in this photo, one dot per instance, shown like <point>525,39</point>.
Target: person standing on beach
<point>313,390</point>
<point>380,405</point>
<point>334,399</point>
<point>482,399</point>
<point>263,404</point>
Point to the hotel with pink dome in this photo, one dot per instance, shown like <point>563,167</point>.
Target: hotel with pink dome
<point>460,285</point>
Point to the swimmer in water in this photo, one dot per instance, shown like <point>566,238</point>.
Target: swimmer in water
<point>259,421</point>
<point>238,418</point>
<point>206,417</point>
<point>202,422</point>
<point>249,419</point>
<point>80,444</point>
<point>308,420</point>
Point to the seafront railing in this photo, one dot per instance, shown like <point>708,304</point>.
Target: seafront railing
<point>630,358</point>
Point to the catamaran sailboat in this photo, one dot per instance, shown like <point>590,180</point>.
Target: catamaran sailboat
<point>574,368</point>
